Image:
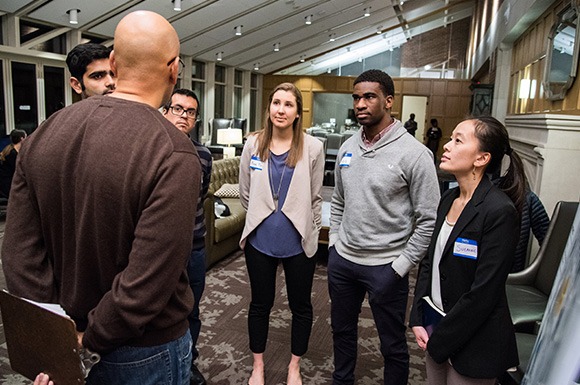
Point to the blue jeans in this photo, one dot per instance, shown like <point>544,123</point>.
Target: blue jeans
<point>348,284</point>
<point>196,275</point>
<point>166,364</point>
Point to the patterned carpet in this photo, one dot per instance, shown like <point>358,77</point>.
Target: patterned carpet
<point>224,354</point>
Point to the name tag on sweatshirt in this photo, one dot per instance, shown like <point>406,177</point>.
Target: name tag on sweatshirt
<point>345,161</point>
<point>256,163</point>
<point>465,248</point>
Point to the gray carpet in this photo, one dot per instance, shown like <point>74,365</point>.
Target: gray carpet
<point>223,345</point>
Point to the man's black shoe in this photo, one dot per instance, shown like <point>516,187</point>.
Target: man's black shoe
<point>196,376</point>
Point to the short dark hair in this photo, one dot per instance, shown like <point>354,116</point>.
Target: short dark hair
<point>17,135</point>
<point>434,122</point>
<point>185,92</point>
<point>82,55</point>
<point>378,76</point>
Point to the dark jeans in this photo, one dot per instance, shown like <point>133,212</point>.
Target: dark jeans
<point>196,275</point>
<point>167,364</point>
<point>348,284</point>
<point>299,272</point>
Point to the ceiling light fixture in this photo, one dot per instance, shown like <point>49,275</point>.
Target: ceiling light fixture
<point>256,66</point>
<point>308,19</point>
<point>302,59</point>
<point>219,56</point>
<point>332,37</point>
<point>73,16</point>
<point>238,30</point>
<point>276,47</point>
<point>177,5</point>
<point>367,12</point>
<point>379,29</point>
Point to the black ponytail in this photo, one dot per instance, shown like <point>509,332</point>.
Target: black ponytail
<point>493,138</point>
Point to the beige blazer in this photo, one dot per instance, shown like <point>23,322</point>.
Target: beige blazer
<point>303,204</point>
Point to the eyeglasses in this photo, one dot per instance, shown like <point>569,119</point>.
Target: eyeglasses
<point>178,111</point>
<point>181,65</point>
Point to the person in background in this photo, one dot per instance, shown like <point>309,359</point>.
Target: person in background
<point>8,161</point>
<point>281,172</point>
<point>90,70</point>
<point>182,111</point>
<point>101,215</point>
<point>468,261</point>
<point>411,125</point>
<point>382,215</point>
<point>432,137</point>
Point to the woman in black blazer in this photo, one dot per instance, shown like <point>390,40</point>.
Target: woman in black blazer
<point>469,259</point>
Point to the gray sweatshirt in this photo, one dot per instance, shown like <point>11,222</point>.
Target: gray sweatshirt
<point>385,200</point>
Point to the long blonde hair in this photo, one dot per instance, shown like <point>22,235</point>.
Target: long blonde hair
<point>265,135</point>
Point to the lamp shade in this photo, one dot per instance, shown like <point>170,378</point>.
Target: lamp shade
<point>228,136</point>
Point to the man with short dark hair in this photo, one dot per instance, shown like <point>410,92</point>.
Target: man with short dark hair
<point>101,215</point>
<point>90,70</point>
<point>411,125</point>
<point>382,215</point>
<point>182,110</point>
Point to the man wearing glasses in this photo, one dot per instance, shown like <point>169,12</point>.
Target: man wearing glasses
<point>182,111</point>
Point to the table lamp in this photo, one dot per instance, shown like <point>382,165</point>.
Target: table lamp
<point>227,137</point>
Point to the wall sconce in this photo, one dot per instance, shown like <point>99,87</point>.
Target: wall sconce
<point>219,56</point>
<point>276,47</point>
<point>73,16</point>
<point>227,137</point>
<point>239,30</point>
<point>367,12</point>
<point>177,5</point>
<point>308,19</point>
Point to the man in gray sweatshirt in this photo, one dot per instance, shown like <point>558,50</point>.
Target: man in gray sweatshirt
<point>382,216</point>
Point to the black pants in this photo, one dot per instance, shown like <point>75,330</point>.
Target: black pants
<point>299,272</point>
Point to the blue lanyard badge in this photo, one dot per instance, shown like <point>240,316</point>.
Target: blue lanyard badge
<point>465,248</point>
<point>256,163</point>
<point>346,158</point>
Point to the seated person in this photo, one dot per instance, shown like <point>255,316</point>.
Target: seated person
<point>8,161</point>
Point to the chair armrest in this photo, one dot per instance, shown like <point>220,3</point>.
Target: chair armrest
<point>526,276</point>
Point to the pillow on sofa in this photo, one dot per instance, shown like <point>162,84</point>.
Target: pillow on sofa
<point>228,191</point>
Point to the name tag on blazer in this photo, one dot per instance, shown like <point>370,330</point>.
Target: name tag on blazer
<point>465,248</point>
<point>256,163</point>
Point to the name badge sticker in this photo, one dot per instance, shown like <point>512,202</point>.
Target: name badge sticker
<point>256,163</point>
<point>345,161</point>
<point>465,248</point>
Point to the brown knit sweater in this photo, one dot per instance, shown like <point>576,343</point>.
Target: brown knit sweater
<point>100,220</point>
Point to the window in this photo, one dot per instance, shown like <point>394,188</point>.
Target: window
<point>2,110</point>
<point>53,89</point>
<point>220,92</point>
<point>253,102</point>
<point>24,91</point>
<point>238,93</point>
<point>198,70</point>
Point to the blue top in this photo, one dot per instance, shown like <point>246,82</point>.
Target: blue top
<point>276,236</point>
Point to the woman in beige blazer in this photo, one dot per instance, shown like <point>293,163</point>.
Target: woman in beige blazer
<point>281,174</point>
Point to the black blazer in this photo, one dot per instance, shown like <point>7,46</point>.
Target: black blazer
<point>477,334</point>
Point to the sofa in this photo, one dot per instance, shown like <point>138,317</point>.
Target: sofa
<point>223,234</point>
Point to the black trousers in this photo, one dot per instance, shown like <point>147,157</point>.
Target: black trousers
<point>299,272</point>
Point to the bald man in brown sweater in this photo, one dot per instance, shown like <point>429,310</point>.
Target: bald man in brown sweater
<point>101,217</point>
